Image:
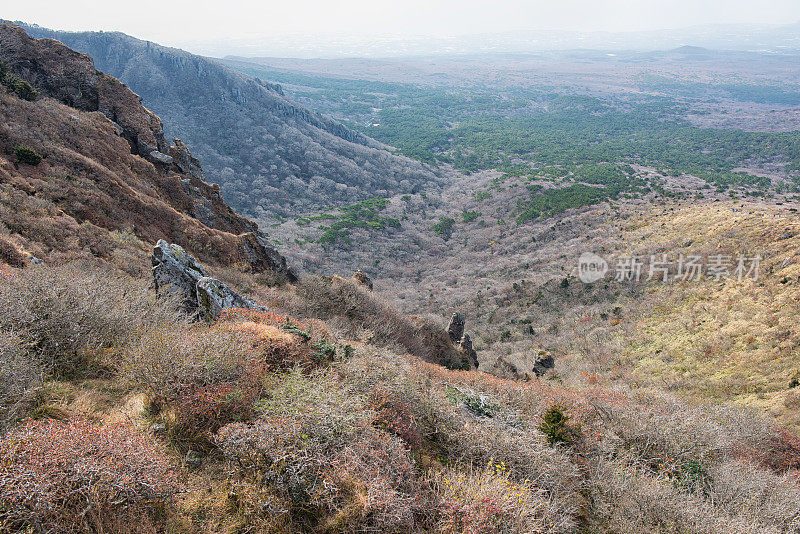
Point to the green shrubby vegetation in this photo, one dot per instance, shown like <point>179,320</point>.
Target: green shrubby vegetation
<point>607,181</point>
<point>468,216</point>
<point>546,134</point>
<point>444,227</point>
<point>556,427</point>
<point>17,85</point>
<point>27,155</point>
<point>364,214</point>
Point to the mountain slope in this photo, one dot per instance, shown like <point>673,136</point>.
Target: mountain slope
<point>106,176</point>
<point>270,155</point>
<point>327,412</point>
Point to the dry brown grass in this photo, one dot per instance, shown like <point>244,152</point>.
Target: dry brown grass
<point>357,313</point>
<point>10,254</point>
<point>66,316</point>
<point>731,340</point>
<point>19,375</point>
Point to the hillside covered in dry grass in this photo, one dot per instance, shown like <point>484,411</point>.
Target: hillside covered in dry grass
<point>334,410</point>
<point>518,285</point>
<point>99,179</point>
<point>314,417</point>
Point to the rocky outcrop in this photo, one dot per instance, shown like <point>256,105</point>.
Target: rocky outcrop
<point>362,279</point>
<point>456,327</point>
<point>467,349</point>
<point>52,68</point>
<point>213,296</point>
<point>154,156</point>
<point>544,362</point>
<point>71,78</point>
<point>262,257</point>
<point>455,330</point>
<point>177,273</point>
<point>107,162</point>
<point>185,161</point>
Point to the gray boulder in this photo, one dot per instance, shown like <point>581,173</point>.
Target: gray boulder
<point>159,157</point>
<point>175,272</point>
<point>469,351</point>
<point>213,296</point>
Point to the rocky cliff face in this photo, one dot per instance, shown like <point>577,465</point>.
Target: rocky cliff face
<point>106,162</point>
<point>270,155</point>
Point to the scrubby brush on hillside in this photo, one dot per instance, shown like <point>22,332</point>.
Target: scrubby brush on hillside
<point>296,437</point>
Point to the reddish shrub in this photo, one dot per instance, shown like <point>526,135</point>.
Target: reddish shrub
<point>203,377</point>
<point>489,501</point>
<point>200,411</point>
<point>278,341</point>
<point>315,450</point>
<point>209,376</point>
<point>241,314</point>
<point>272,348</point>
<point>78,477</point>
<point>10,255</point>
<point>783,452</point>
<point>315,328</point>
<point>396,416</point>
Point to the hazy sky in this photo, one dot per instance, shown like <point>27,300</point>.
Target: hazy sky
<point>178,21</point>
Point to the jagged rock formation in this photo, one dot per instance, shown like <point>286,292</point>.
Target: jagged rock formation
<point>456,327</point>
<point>262,257</point>
<point>363,279</point>
<point>269,154</point>
<point>543,363</point>
<point>465,345</point>
<point>177,273</point>
<point>107,165</point>
<point>214,296</point>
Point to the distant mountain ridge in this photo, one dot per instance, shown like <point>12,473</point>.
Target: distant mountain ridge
<point>271,156</point>
<point>741,36</point>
